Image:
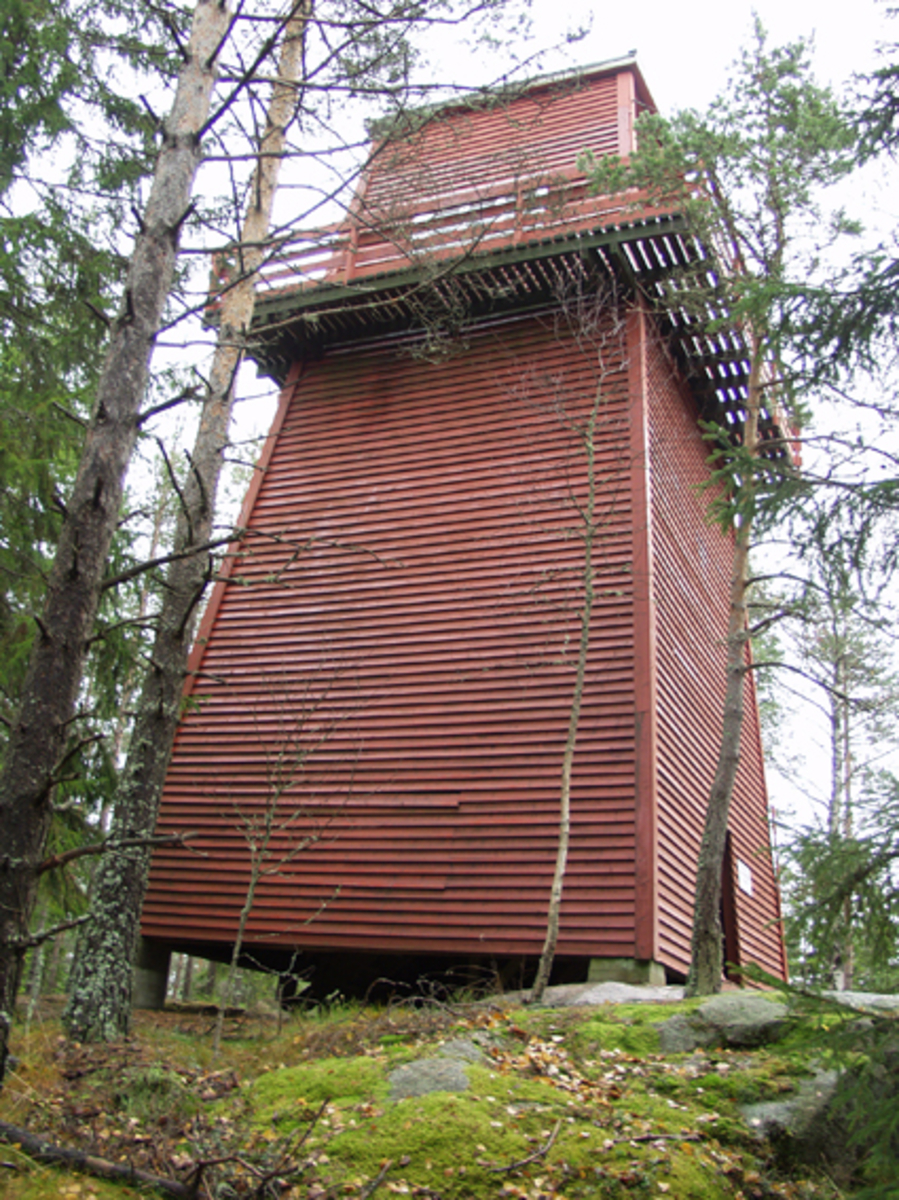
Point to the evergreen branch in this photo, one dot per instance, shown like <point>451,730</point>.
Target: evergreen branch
<point>847,885</point>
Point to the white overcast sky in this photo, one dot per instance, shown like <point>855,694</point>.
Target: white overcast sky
<point>685,49</point>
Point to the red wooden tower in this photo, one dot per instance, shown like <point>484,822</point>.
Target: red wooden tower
<point>387,663</point>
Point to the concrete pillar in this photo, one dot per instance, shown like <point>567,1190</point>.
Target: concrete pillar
<point>151,974</point>
<point>626,970</point>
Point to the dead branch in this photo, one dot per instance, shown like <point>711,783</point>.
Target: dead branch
<point>163,559</point>
<point>377,1181</point>
<point>285,1165</point>
<point>44,935</point>
<point>107,844</point>
<point>176,487</point>
<point>43,1151</point>
<point>188,393</point>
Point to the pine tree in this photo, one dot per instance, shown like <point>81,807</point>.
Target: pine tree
<point>841,922</point>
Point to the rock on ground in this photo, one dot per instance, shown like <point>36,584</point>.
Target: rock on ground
<point>445,1073</point>
<point>427,1075</point>
<point>731,1019</point>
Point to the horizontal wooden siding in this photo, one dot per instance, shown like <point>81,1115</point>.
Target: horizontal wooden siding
<point>691,565</point>
<point>404,620</point>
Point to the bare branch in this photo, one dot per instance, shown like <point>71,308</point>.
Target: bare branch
<point>188,393</point>
<point>108,844</point>
<point>536,1156</point>
<point>44,935</point>
<point>162,559</point>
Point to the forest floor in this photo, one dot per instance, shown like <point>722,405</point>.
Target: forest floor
<point>560,1102</point>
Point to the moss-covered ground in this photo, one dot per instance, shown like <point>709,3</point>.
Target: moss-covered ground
<point>572,1102</point>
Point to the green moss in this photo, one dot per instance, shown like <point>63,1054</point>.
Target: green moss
<point>339,1080</point>
<point>462,1146</point>
<point>512,1089</point>
<point>622,1120</point>
<point>446,1138</point>
<point>692,1176</point>
<point>148,1093</point>
<point>653,1014</point>
<point>629,1038</point>
<point>630,1028</point>
<point>33,1181</point>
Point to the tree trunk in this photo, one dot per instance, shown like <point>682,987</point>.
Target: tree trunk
<point>177,974</point>
<point>207,988</point>
<point>49,695</point>
<point>36,968</point>
<point>99,1006</point>
<point>548,953</point>
<point>188,979</point>
<point>51,975</point>
<point>233,967</point>
<point>707,958</point>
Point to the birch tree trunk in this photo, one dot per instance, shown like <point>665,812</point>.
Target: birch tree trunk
<point>707,955</point>
<point>49,695</point>
<point>99,1006</point>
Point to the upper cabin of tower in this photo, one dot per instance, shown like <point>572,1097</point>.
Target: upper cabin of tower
<point>474,178</point>
<point>478,210</point>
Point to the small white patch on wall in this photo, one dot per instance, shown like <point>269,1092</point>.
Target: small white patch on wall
<point>744,877</point>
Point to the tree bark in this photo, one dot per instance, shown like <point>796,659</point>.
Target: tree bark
<point>99,1007</point>
<point>49,695</point>
<point>707,957</point>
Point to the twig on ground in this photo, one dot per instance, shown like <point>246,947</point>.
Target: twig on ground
<point>537,1155</point>
<point>377,1181</point>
